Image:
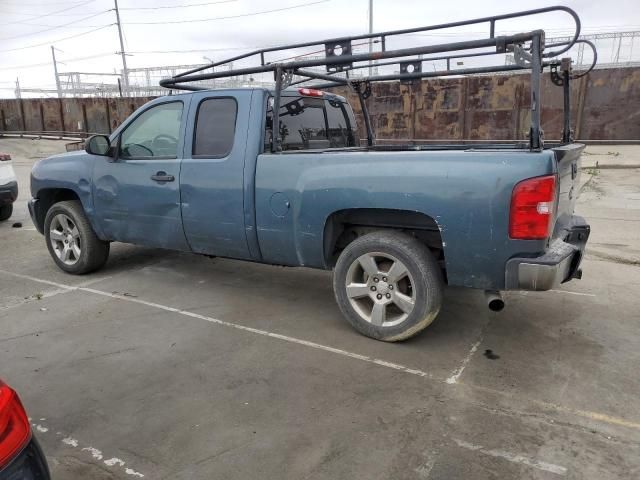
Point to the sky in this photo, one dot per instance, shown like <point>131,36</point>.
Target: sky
<point>86,38</point>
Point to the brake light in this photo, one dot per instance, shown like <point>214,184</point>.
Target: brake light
<point>15,431</point>
<point>4,157</point>
<point>310,92</point>
<point>532,206</point>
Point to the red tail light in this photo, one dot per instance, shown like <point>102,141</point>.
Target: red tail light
<point>310,92</point>
<point>532,206</point>
<point>4,157</point>
<point>15,431</point>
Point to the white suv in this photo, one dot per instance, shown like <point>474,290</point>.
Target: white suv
<point>8,186</point>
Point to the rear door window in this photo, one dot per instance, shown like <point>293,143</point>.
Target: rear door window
<point>215,127</point>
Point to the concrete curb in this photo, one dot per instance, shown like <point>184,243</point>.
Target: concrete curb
<point>618,166</point>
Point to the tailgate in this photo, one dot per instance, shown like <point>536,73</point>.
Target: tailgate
<point>568,165</point>
<point>560,261</point>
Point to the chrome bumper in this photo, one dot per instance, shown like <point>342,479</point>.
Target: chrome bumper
<point>559,264</point>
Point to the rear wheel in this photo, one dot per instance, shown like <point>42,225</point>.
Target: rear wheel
<point>71,241</point>
<point>5,212</point>
<point>388,285</point>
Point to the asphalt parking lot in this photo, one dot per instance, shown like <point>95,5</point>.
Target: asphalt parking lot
<point>169,365</point>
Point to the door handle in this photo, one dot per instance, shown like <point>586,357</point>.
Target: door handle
<point>162,177</point>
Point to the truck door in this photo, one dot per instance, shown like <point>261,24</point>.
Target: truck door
<point>136,193</point>
<point>212,173</point>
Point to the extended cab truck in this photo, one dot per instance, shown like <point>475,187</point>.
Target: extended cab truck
<point>191,172</point>
<point>278,176</point>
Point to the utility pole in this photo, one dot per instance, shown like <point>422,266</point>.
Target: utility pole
<point>55,69</point>
<point>122,52</point>
<point>18,94</point>
<point>370,32</point>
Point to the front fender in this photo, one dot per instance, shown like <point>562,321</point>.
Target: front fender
<point>55,177</point>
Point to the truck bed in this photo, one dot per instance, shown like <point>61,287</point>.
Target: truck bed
<point>465,190</point>
<point>426,145</point>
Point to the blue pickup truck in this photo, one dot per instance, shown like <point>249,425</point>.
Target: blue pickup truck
<point>203,172</point>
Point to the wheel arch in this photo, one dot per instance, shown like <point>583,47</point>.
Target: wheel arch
<point>75,235</point>
<point>47,197</point>
<point>344,226</point>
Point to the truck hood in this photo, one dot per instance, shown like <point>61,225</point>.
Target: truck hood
<point>77,153</point>
<point>71,170</point>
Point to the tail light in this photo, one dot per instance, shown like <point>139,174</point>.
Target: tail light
<point>15,431</point>
<point>532,208</point>
<point>310,92</point>
<point>4,157</point>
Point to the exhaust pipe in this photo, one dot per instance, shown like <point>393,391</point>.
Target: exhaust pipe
<point>495,302</point>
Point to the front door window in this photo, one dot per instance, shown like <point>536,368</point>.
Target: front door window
<point>154,133</point>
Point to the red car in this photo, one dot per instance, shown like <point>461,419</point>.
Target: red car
<point>21,457</point>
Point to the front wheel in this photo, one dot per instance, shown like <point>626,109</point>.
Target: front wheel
<point>71,241</point>
<point>388,285</point>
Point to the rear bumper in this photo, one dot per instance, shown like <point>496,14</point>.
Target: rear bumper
<point>8,193</point>
<point>559,264</point>
<point>30,464</point>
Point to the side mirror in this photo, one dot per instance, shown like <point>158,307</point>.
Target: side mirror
<point>98,145</point>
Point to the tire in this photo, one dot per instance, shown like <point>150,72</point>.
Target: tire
<point>62,236</point>
<point>5,212</point>
<point>396,296</point>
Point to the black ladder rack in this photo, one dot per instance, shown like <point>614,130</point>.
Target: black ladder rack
<point>529,50</point>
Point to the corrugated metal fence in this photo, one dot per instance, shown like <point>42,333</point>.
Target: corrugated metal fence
<point>605,106</point>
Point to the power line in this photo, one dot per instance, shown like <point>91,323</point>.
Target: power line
<point>231,16</point>
<point>187,5</point>
<point>47,4</point>
<point>57,40</point>
<point>14,87</point>
<point>67,26</point>
<point>57,11</point>
<point>54,27</point>
<point>38,16</point>
<point>199,50</point>
<point>63,61</point>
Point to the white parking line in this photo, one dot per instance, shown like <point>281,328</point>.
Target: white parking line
<point>55,284</point>
<point>514,457</point>
<point>458,371</point>
<point>403,368</point>
<point>424,470</point>
<point>96,454</point>
<point>567,292</point>
<point>286,338</point>
<point>49,293</point>
<point>237,326</point>
<point>573,293</point>
<point>93,281</point>
<point>38,280</point>
<point>34,298</point>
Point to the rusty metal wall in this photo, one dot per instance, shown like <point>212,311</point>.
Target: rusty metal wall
<point>72,115</point>
<point>605,106</point>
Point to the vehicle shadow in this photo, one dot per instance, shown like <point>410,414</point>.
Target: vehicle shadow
<point>296,302</point>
